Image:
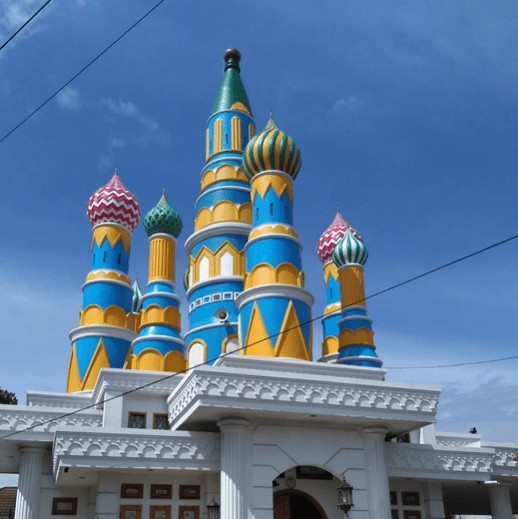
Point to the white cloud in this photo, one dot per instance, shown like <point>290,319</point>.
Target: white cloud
<point>13,14</point>
<point>347,106</point>
<point>69,100</point>
<point>151,127</point>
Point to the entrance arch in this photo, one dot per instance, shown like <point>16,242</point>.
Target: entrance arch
<point>291,504</point>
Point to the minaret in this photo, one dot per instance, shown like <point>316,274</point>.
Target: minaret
<point>159,346</point>
<point>222,224</point>
<point>332,312</point>
<point>356,338</point>
<point>274,309</point>
<point>106,322</point>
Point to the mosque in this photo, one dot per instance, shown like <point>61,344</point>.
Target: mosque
<point>233,418</point>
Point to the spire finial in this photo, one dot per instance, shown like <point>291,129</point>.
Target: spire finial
<point>163,190</point>
<point>232,58</point>
<point>117,170</point>
<point>271,113</point>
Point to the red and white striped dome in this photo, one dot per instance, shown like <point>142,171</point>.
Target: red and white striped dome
<point>333,234</point>
<point>113,203</point>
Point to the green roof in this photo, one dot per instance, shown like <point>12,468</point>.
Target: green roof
<point>231,90</point>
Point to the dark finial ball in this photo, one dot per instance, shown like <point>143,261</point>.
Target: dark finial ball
<point>232,54</point>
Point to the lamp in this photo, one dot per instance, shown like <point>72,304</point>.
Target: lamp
<point>213,509</point>
<point>345,496</point>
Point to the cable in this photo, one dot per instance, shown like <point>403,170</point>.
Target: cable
<point>25,24</point>
<point>81,71</point>
<point>397,285</point>
<point>454,365</point>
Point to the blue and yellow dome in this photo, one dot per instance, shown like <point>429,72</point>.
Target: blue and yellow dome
<point>271,149</point>
<point>163,219</point>
<point>349,251</point>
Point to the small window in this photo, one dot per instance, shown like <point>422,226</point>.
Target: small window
<point>257,214</point>
<point>104,257</point>
<point>331,292</point>
<point>137,421</point>
<point>160,421</point>
<point>271,209</point>
<point>286,211</point>
<point>119,259</point>
<point>226,138</point>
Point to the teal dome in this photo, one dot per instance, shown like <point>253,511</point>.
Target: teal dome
<point>163,219</point>
<point>349,251</point>
<point>271,149</point>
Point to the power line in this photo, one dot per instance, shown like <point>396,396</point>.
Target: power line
<point>25,24</point>
<point>75,76</point>
<point>454,365</point>
<point>393,287</point>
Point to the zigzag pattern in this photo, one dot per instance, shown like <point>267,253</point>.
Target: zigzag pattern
<point>113,203</point>
<point>329,239</point>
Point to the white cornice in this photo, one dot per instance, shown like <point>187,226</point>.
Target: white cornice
<point>274,290</point>
<point>216,229</point>
<point>101,330</point>
<point>211,280</point>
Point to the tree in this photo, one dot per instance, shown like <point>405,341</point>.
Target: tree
<point>6,397</point>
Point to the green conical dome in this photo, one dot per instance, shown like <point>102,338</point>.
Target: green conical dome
<point>163,219</point>
<point>231,94</point>
<point>137,295</point>
<point>271,149</point>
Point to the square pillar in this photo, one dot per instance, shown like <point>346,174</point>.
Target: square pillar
<point>500,500</point>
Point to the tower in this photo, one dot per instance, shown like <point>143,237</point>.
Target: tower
<point>222,224</point>
<point>332,312</point>
<point>106,321</point>
<point>356,338</point>
<point>159,346</point>
<point>274,309</point>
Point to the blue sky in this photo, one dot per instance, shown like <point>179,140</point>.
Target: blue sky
<point>405,114</point>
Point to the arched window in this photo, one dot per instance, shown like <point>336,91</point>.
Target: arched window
<point>204,269</point>
<point>196,354</point>
<point>271,209</point>
<point>232,345</point>
<point>227,264</point>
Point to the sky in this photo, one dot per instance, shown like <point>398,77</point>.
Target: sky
<point>405,115</point>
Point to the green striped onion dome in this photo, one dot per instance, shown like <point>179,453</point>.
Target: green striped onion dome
<point>349,251</point>
<point>271,149</point>
<point>163,219</point>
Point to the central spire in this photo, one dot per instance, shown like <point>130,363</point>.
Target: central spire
<point>231,94</point>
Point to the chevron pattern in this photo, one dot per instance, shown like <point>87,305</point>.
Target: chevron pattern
<point>329,239</point>
<point>113,203</point>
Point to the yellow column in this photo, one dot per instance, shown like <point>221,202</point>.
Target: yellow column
<point>161,257</point>
<point>352,290</point>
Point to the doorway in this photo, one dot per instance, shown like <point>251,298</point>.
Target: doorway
<point>291,504</point>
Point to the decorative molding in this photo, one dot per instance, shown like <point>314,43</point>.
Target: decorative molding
<point>424,460</point>
<point>62,400</point>
<point>324,395</point>
<point>114,380</point>
<point>116,448</point>
<point>457,439</point>
<point>18,418</point>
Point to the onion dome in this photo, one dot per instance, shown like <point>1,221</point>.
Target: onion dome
<point>271,149</point>
<point>349,251</point>
<point>331,236</point>
<point>137,295</point>
<point>113,203</point>
<point>163,219</point>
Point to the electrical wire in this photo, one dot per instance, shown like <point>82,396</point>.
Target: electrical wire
<point>75,76</point>
<point>13,36</point>
<point>208,361</point>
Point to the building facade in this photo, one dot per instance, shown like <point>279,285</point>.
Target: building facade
<point>233,416</point>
